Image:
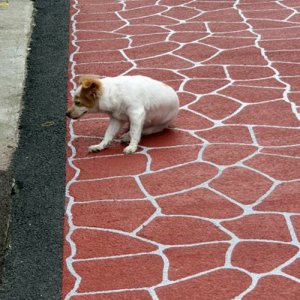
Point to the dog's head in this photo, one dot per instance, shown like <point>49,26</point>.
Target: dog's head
<point>86,97</point>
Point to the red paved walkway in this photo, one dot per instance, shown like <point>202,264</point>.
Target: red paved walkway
<point>210,209</point>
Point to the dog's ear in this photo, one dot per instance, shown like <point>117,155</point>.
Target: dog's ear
<point>89,82</point>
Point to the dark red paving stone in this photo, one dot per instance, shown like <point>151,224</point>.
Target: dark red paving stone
<point>101,45</point>
<point>101,25</point>
<point>228,42</point>
<point>269,286</point>
<point>86,8</point>
<point>140,40</point>
<point>293,269</point>
<point>186,98</point>
<point>227,27</point>
<point>251,95</point>
<point>166,61</point>
<point>280,33</point>
<point>268,83</point>
<point>142,29</point>
<point>101,56</point>
<point>205,72</point>
<point>106,189</point>
<point>229,283</point>
<point>104,69</point>
<point>294,97</point>
<point>119,273</point>
<point>261,257</point>
<point>264,24</point>
<point>191,121</point>
<point>223,15</point>
<point>181,231</point>
<point>284,56</point>
<point>265,14</point>
<point>270,136</point>
<point>295,18</point>
<point>199,202</point>
<point>150,50</point>
<point>278,167</point>
<point>153,20</point>
<point>285,198</point>
<point>207,6</point>
<point>141,12</point>
<point>139,3</point>
<point>183,177</point>
<point>242,185</point>
<point>183,37</point>
<point>90,127</point>
<point>215,106</point>
<point>102,167</point>
<point>277,113</point>
<point>189,27</point>
<point>173,2</point>
<point>259,6</point>
<point>187,261</point>
<point>260,226</point>
<point>125,216</point>
<point>169,138</point>
<point>247,56</point>
<point>293,82</point>
<point>227,134</point>
<point>97,17</point>
<point>130,295</point>
<point>236,34</point>
<point>247,73</point>
<point>181,13</point>
<point>204,86</point>
<point>196,52</point>
<point>296,224</point>
<point>293,44</point>
<point>162,75</point>
<point>163,158</point>
<point>293,151</point>
<point>94,243</point>
<point>227,154</point>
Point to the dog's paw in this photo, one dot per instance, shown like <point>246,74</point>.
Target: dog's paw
<point>125,138</point>
<point>129,149</point>
<point>96,148</point>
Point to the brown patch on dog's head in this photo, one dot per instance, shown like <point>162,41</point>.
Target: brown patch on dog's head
<point>91,90</point>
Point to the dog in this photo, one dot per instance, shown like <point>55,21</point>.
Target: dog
<point>147,104</point>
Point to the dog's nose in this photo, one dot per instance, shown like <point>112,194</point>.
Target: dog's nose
<point>68,114</point>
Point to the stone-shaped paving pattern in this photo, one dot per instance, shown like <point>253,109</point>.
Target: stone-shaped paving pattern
<point>210,208</point>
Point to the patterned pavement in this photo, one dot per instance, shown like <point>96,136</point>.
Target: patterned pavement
<point>210,208</point>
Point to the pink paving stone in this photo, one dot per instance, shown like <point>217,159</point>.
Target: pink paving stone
<point>181,231</point>
<point>106,189</point>
<point>284,56</point>
<point>259,6</point>
<point>101,45</point>
<point>102,167</point>
<point>265,14</point>
<point>295,97</point>
<point>251,95</point>
<point>293,269</point>
<point>189,27</point>
<point>280,286</point>
<point>186,98</point>
<point>261,257</point>
<point>280,168</point>
<point>270,136</point>
<point>293,82</point>
<point>293,44</point>
<point>150,50</point>
<point>242,185</point>
<point>141,12</point>
<point>169,138</point>
<point>163,158</point>
<point>166,61</point>
<point>217,285</point>
<point>277,113</point>
<point>285,198</point>
<point>101,56</point>
<point>196,52</point>
<point>223,15</point>
<point>228,42</point>
<point>191,121</point>
<point>129,295</point>
<point>280,33</point>
<point>227,27</point>
<point>205,72</point>
<point>119,273</point>
<point>199,202</point>
<point>264,24</point>
<point>182,177</point>
<point>104,69</point>
<point>290,151</point>
<point>215,106</point>
<point>268,82</point>
<point>247,56</point>
<point>181,13</point>
<point>296,224</point>
<point>260,226</point>
<point>227,154</point>
<point>187,261</point>
<point>227,134</point>
<point>204,86</point>
<point>208,6</point>
<point>246,72</point>
<point>184,37</point>
<point>173,2</point>
<point>94,243</point>
<point>141,29</point>
<point>139,40</point>
<point>125,216</point>
<point>237,34</point>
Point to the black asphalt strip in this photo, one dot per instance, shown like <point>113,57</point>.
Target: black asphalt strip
<point>33,265</point>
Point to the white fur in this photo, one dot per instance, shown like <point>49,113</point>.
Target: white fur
<point>149,106</point>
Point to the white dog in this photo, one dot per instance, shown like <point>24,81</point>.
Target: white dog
<point>149,106</point>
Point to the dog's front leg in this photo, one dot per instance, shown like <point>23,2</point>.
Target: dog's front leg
<point>112,129</point>
<point>136,126</point>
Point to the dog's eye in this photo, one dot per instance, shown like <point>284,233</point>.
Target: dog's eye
<point>77,102</point>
